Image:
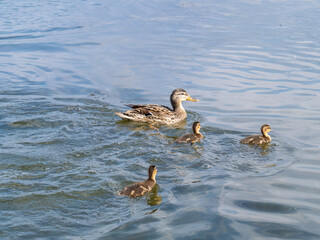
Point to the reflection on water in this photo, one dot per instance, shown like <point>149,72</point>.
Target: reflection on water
<point>265,206</point>
<point>152,197</point>
<point>264,149</point>
<point>140,126</point>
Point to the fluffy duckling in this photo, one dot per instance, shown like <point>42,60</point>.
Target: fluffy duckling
<point>259,139</point>
<point>158,113</point>
<point>191,137</point>
<point>140,188</point>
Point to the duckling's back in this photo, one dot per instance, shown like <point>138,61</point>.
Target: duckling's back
<point>255,139</point>
<point>137,189</point>
<point>189,138</point>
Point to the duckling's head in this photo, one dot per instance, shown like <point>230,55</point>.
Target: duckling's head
<point>196,127</point>
<point>152,172</point>
<point>180,95</point>
<point>265,129</point>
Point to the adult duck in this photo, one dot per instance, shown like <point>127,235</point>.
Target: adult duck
<point>153,113</point>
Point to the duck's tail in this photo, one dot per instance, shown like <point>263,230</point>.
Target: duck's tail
<point>125,116</point>
<point>122,115</point>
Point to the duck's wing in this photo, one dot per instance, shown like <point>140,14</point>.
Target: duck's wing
<point>136,189</point>
<point>254,139</point>
<point>151,110</point>
<point>188,138</point>
<point>131,190</point>
<point>148,112</point>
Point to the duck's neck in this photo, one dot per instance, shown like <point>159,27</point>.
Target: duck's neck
<point>177,107</point>
<point>265,134</point>
<point>152,177</point>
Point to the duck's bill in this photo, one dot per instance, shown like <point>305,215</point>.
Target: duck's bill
<point>192,99</point>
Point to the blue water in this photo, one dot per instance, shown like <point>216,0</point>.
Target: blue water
<point>67,66</point>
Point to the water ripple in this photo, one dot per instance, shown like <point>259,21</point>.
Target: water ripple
<point>264,207</point>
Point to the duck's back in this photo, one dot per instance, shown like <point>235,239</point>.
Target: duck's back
<point>255,139</point>
<point>151,113</point>
<point>138,189</point>
<point>189,138</point>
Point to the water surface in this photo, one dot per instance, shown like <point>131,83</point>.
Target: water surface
<point>67,67</point>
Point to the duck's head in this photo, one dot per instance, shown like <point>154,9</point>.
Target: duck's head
<point>152,172</point>
<point>196,127</point>
<point>265,129</point>
<point>180,95</point>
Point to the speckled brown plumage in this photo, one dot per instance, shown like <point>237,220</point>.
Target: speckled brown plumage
<point>140,188</point>
<point>158,113</point>
<point>191,137</point>
<point>259,139</point>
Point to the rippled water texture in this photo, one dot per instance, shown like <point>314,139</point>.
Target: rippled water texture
<point>67,66</point>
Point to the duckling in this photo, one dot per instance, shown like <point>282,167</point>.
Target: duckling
<point>191,137</point>
<point>140,188</point>
<point>158,113</point>
<point>259,139</point>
